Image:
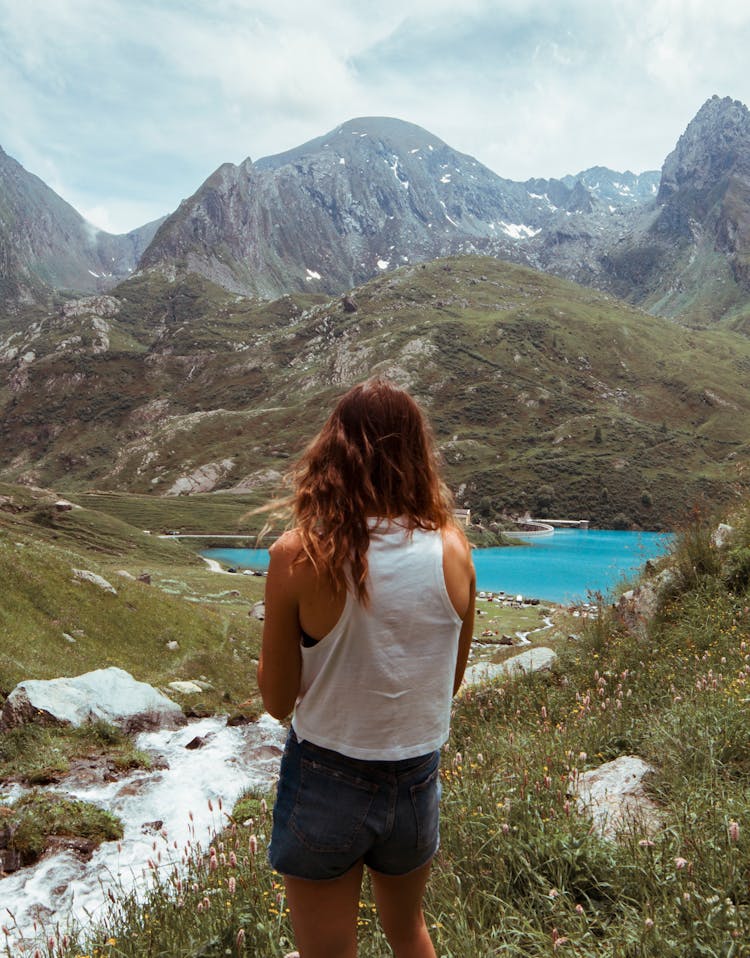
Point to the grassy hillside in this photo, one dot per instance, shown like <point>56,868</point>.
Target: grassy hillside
<point>545,396</point>
<point>521,872</point>
<point>51,623</point>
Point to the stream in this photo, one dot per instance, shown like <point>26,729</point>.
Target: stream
<point>174,803</point>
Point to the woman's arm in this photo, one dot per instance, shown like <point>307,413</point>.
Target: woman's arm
<point>280,665</point>
<point>460,581</point>
<point>465,636</point>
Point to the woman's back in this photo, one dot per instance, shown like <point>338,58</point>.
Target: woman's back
<point>378,685</point>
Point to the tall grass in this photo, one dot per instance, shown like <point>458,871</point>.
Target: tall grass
<point>520,871</point>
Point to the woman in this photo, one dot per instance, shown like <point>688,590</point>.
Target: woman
<point>368,622</point>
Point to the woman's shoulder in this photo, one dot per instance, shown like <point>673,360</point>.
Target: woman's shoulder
<point>455,543</point>
<point>287,547</point>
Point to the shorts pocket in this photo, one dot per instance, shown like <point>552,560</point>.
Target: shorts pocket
<point>425,798</point>
<point>331,807</point>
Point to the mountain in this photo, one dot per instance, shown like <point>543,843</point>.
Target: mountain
<point>46,245</point>
<point>371,195</point>
<point>376,193</point>
<point>689,255</point>
<point>544,395</point>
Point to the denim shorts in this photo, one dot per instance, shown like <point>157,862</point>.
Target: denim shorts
<point>332,810</point>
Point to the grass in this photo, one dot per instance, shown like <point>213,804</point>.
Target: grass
<point>36,755</point>
<point>520,871</point>
<point>190,623</point>
<point>38,819</point>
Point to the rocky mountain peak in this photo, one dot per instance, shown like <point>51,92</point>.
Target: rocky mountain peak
<point>708,149</point>
<point>352,138</point>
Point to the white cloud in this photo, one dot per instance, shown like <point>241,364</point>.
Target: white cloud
<point>125,107</point>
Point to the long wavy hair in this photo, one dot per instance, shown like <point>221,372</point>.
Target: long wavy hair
<point>375,457</point>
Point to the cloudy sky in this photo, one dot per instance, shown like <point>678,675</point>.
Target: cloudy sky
<point>124,107</point>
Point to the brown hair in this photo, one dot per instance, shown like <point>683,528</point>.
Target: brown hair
<point>374,457</point>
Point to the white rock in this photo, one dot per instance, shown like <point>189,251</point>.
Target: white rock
<point>614,796</point>
<point>532,660</point>
<point>95,579</point>
<point>722,535</point>
<point>112,695</point>
<point>258,611</point>
<point>185,688</point>
<point>125,574</point>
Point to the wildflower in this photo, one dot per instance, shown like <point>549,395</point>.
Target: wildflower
<point>679,863</point>
<point>646,843</point>
<point>579,909</point>
<point>232,884</point>
<point>734,832</point>
<point>648,924</point>
<point>232,860</point>
<point>252,844</point>
<point>553,893</point>
<point>240,939</point>
<point>557,939</point>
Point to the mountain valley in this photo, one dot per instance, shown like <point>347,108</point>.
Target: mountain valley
<point>207,345</point>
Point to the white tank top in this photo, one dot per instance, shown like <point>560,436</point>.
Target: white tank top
<point>379,685</point>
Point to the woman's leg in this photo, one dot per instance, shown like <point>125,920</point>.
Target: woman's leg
<point>399,901</point>
<point>324,914</point>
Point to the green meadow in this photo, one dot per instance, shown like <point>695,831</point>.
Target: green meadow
<point>520,871</point>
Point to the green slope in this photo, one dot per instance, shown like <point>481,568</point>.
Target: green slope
<point>545,396</point>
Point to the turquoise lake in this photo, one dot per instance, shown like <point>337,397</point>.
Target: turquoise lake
<point>564,567</point>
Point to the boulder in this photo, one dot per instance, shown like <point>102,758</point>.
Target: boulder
<point>614,796</point>
<point>638,606</point>
<point>111,695</point>
<point>185,687</point>
<point>94,579</point>
<point>532,660</point>
<point>722,535</point>
<point>258,611</point>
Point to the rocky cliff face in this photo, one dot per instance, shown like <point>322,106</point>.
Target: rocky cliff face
<point>377,193</point>
<point>46,245</point>
<point>691,255</point>
<point>373,194</point>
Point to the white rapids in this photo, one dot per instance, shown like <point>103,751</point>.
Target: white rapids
<point>174,804</point>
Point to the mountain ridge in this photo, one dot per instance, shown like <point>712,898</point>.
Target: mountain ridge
<point>544,395</point>
<point>46,245</point>
<point>377,192</point>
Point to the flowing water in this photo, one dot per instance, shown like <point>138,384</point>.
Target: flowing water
<point>167,805</point>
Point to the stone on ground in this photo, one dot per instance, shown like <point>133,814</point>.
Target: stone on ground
<point>111,695</point>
